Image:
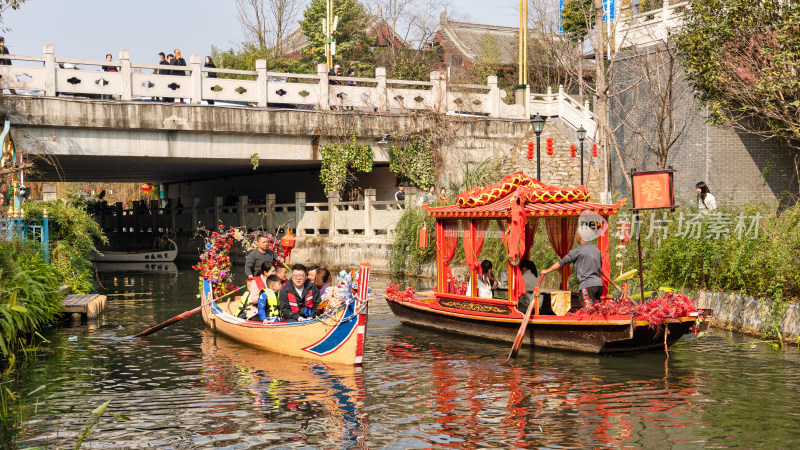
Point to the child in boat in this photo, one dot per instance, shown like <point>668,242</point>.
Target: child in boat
<point>268,310</point>
<point>299,299</point>
<point>248,305</point>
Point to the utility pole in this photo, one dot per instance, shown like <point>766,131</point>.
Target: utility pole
<point>328,28</point>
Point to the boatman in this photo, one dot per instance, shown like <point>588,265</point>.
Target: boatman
<point>258,256</point>
<point>587,262</point>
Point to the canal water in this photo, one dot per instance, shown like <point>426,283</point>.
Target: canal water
<point>184,387</point>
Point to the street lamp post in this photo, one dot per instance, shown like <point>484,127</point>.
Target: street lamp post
<point>537,123</point>
<point>581,136</point>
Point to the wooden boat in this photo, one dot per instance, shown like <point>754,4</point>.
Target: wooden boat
<point>144,256</point>
<point>520,202</point>
<point>335,337</point>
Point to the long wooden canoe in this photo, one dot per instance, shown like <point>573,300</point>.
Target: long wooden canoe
<point>336,337</point>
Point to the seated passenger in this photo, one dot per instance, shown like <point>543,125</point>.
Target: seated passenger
<point>312,272</point>
<point>268,310</point>
<point>283,274</point>
<point>322,280</point>
<point>530,276</point>
<point>487,283</point>
<point>299,299</point>
<point>248,307</point>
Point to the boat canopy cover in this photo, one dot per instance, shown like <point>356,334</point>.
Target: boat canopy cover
<point>539,200</point>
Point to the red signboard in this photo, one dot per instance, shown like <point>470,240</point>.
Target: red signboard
<point>653,190</point>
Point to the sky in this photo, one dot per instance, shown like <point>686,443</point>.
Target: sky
<point>88,29</point>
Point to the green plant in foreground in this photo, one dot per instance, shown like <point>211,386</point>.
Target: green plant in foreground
<point>97,413</point>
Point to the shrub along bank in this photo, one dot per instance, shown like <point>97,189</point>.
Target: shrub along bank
<point>746,250</point>
<point>29,297</point>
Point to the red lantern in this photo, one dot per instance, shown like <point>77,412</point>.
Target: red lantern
<point>572,150</point>
<point>594,151</point>
<point>423,238</point>
<point>146,187</point>
<point>287,242</point>
<point>549,146</point>
<point>530,150</point>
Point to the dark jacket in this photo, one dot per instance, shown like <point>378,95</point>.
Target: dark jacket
<point>293,308</point>
<point>164,71</point>
<point>211,74</point>
<point>178,62</point>
<point>4,51</point>
<point>255,259</point>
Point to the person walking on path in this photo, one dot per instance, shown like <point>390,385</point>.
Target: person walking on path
<point>706,202</point>
<point>210,64</point>
<point>588,262</point>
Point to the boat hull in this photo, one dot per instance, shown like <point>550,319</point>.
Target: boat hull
<point>337,340</point>
<point>143,256</point>
<point>573,333</point>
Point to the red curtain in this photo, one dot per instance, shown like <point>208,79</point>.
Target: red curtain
<point>471,253</point>
<point>515,283</point>
<point>603,243</point>
<point>530,232</point>
<point>561,232</point>
<point>446,247</point>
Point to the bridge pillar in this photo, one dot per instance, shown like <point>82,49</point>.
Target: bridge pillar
<point>494,96</point>
<point>324,90</point>
<point>218,201</point>
<point>49,70</point>
<point>125,73</point>
<point>299,210</point>
<point>262,82</point>
<point>333,197</point>
<point>197,79</point>
<point>270,212</point>
<point>243,202</point>
<point>439,92</point>
<point>195,205</point>
<point>383,99</point>
<point>369,199</point>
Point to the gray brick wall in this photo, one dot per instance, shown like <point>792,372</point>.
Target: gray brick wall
<point>737,166</point>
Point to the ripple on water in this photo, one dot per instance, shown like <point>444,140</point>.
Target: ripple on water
<point>184,387</point>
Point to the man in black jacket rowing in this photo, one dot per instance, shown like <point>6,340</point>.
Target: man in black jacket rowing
<point>299,299</point>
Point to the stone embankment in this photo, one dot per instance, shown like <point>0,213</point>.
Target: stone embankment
<point>748,314</point>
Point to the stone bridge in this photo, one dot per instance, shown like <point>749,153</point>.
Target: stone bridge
<point>116,125</point>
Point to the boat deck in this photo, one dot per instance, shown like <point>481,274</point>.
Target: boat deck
<point>90,305</point>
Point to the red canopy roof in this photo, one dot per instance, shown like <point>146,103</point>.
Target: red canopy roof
<point>501,207</point>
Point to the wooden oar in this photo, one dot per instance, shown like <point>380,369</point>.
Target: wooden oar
<point>183,315</point>
<point>521,333</point>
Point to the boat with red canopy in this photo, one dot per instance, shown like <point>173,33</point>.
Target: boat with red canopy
<point>519,205</point>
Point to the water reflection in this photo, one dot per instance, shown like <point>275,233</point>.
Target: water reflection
<point>295,399</point>
<point>185,387</point>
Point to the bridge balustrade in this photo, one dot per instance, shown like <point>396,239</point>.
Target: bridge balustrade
<point>130,81</point>
<point>367,217</point>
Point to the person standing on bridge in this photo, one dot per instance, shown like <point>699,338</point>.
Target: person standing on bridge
<point>5,62</point>
<point>162,61</point>
<point>210,64</point>
<point>178,61</point>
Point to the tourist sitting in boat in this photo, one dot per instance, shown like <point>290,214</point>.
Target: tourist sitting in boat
<point>259,255</point>
<point>530,277</point>
<point>248,307</point>
<point>487,283</point>
<point>299,299</point>
<point>268,308</point>
<point>322,281</point>
<point>588,262</point>
<point>283,273</point>
<point>312,272</point>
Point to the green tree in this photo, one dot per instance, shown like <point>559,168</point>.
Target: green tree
<point>352,42</point>
<point>414,161</point>
<point>577,19</point>
<point>488,62</point>
<point>742,58</point>
<point>341,161</point>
